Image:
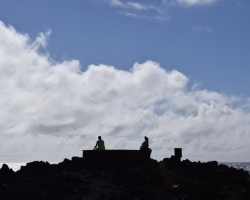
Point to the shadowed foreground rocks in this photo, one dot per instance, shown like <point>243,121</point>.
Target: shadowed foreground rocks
<point>124,179</point>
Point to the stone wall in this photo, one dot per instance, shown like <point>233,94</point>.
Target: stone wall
<point>115,154</point>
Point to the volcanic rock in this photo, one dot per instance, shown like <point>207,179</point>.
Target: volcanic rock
<point>124,179</point>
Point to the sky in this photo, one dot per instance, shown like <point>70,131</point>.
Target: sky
<point>175,71</point>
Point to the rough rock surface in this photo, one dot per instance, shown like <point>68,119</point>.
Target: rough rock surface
<point>111,179</point>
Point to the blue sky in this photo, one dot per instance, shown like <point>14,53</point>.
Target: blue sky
<point>179,75</point>
<point>210,43</point>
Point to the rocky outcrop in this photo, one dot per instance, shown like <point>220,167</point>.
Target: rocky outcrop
<point>124,178</point>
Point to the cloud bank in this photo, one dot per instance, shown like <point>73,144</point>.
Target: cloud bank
<point>51,110</point>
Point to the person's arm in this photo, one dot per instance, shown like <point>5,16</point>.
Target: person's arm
<point>96,145</point>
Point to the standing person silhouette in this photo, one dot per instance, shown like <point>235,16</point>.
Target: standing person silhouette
<point>145,146</point>
<point>99,144</point>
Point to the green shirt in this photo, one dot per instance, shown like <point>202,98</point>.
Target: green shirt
<point>101,145</point>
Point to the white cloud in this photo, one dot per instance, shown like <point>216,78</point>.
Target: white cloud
<point>158,18</point>
<point>153,11</point>
<point>136,5</point>
<point>116,3</point>
<point>139,10</point>
<point>195,2</point>
<point>128,14</point>
<point>202,29</point>
<point>51,110</point>
<point>133,5</point>
<point>140,6</point>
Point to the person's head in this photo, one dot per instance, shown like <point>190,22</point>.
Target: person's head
<point>146,138</point>
<point>99,137</point>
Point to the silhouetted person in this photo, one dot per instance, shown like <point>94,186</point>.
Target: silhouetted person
<point>99,144</point>
<point>145,146</point>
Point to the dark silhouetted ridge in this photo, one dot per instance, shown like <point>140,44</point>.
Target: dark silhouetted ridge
<point>124,179</point>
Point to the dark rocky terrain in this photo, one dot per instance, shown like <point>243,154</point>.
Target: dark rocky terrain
<point>125,179</point>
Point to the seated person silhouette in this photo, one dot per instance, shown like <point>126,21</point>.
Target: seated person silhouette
<point>99,144</point>
<point>145,146</point>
